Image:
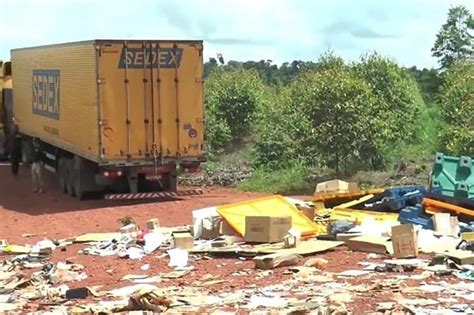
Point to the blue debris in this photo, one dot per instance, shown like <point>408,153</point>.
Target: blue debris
<point>341,226</point>
<point>416,215</point>
<point>394,199</point>
<point>466,227</point>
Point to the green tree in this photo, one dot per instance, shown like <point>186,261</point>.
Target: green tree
<point>323,119</point>
<point>429,82</point>
<point>210,66</point>
<point>457,105</point>
<point>399,100</point>
<point>454,41</point>
<point>232,98</point>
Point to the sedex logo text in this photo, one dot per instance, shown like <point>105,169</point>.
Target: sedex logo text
<point>138,58</point>
<point>46,93</point>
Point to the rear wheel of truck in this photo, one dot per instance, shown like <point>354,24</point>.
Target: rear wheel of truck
<point>70,177</point>
<point>78,189</point>
<point>62,174</point>
<point>169,182</point>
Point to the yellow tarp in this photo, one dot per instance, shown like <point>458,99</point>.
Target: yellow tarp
<point>352,203</point>
<point>15,249</point>
<point>277,205</point>
<point>361,215</point>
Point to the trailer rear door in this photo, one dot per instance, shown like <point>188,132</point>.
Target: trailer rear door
<point>151,100</point>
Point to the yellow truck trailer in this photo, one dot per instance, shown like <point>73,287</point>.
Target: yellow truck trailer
<point>118,115</point>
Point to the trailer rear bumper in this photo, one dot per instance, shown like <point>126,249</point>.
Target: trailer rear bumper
<point>154,195</point>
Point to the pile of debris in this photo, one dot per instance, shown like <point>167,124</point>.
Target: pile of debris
<point>277,231</point>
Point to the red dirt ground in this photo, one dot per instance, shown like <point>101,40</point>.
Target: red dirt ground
<point>56,216</point>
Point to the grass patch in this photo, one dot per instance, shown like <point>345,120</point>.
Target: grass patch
<point>291,180</point>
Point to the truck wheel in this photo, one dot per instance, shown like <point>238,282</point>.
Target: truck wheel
<point>78,189</point>
<point>62,175</point>
<point>169,182</point>
<point>70,177</point>
<point>172,183</point>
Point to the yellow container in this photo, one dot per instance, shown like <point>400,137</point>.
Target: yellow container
<point>113,102</point>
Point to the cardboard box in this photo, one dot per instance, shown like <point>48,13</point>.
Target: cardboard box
<point>266,229</point>
<point>404,241</point>
<point>183,240</point>
<point>336,186</point>
<point>308,212</point>
<point>370,244</point>
<point>292,239</point>
<point>461,257</point>
<point>130,229</point>
<point>153,224</point>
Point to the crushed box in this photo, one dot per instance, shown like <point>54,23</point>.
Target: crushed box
<point>370,244</point>
<point>211,228</point>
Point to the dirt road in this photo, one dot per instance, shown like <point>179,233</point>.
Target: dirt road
<point>56,215</point>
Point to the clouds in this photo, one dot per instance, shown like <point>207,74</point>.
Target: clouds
<point>280,30</point>
<point>354,28</point>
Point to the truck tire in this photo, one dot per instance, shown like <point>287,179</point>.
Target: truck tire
<point>70,177</point>
<point>78,185</point>
<point>169,182</point>
<point>173,183</point>
<point>62,174</point>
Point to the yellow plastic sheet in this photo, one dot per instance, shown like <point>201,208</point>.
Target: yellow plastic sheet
<point>352,203</point>
<point>15,249</point>
<point>277,205</point>
<point>361,215</point>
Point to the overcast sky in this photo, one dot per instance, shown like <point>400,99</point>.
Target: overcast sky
<point>280,30</point>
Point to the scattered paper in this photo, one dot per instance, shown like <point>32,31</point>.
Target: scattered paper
<point>353,273</point>
<point>152,242</point>
<point>178,257</point>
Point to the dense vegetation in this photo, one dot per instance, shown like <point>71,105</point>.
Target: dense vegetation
<point>343,116</point>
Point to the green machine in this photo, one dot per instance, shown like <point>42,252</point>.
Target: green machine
<point>455,175</point>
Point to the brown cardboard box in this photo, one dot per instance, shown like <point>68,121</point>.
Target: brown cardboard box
<point>266,229</point>
<point>183,240</point>
<point>336,186</point>
<point>153,224</point>
<point>308,212</point>
<point>461,257</point>
<point>404,241</point>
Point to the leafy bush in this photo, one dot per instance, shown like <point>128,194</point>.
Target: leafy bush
<point>232,98</point>
<point>342,116</point>
<point>399,104</point>
<point>324,119</point>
